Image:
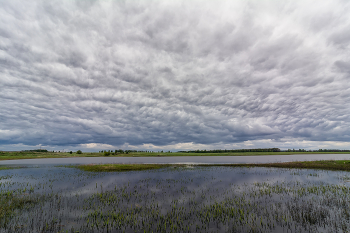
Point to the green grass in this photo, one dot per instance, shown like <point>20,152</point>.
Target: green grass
<point>10,202</point>
<point>11,155</point>
<point>10,167</point>
<point>120,167</point>
<point>340,165</point>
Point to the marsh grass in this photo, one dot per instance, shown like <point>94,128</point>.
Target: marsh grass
<point>121,167</point>
<point>10,167</point>
<point>200,199</point>
<point>12,201</point>
<point>4,167</point>
<point>335,165</point>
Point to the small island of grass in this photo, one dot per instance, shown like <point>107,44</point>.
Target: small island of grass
<point>10,167</point>
<point>339,165</point>
<point>120,167</point>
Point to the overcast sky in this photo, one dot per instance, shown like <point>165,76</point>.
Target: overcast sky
<point>174,74</point>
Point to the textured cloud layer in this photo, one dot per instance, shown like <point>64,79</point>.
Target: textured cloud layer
<point>175,72</point>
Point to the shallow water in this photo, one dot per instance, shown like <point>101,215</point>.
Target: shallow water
<point>180,159</point>
<point>203,199</point>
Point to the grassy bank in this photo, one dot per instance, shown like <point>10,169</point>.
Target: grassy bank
<point>11,155</point>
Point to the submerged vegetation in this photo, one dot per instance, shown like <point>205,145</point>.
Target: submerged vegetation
<point>242,209</point>
<point>272,197</point>
<point>12,201</point>
<point>186,199</point>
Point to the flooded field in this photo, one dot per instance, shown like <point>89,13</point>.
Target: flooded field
<point>179,159</point>
<point>176,199</point>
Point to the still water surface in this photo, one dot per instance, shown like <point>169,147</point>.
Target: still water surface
<point>180,159</point>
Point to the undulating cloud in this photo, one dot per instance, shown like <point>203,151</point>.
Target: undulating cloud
<point>174,74</point>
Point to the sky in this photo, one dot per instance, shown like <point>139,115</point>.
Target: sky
<point>174,74</point>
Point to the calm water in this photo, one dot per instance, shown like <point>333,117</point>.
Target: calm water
<point>181,159</point>
<point>190,199</point>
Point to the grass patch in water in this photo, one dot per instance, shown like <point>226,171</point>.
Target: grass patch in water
<point>10,167</point>
<point>120,167</point>
<point>340,165</point>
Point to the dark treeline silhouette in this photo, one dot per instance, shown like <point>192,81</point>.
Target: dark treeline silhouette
<point>234,151</point>
<point>332,150</point>
<point>38,150</point>
<point>319,150</point>
<point>262,150</point>
<point>120,151</point>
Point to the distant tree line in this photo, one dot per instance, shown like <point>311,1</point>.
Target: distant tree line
<point>38,150</point>
<point>120,151</point>
<point>262,150</point>
<point>319,150</point>
<point>234,151</point>
<point>333,150</point>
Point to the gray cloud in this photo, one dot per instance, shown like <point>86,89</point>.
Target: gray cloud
<point>172,72</point>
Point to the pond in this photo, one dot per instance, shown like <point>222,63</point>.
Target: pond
<point>181,159</point>
<point>50,198</point>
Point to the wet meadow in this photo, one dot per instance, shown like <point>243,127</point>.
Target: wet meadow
<point>174,199</point>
